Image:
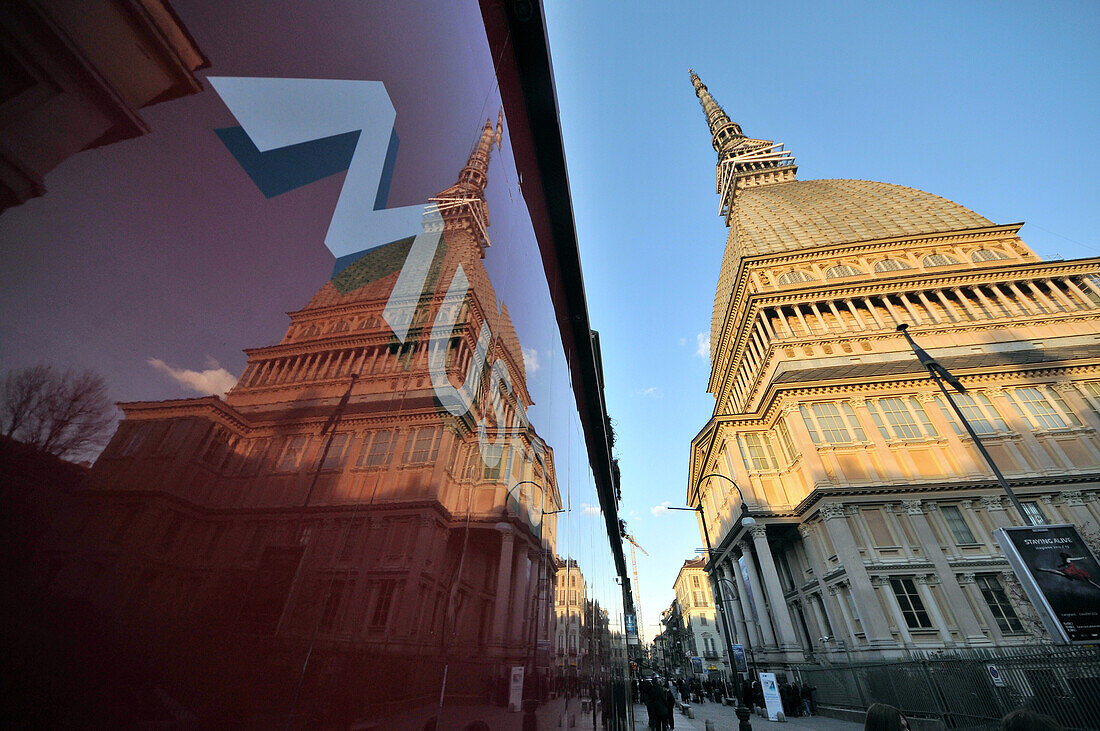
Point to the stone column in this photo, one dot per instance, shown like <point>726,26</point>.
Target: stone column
<point>969,626</point>
<point>788,639</point>
<point>817,565</point>
<point>849,621</point>
<point>752,625</point>
<point>923,581</point>
<point>504,584</point>
<point>875,627</point>
<point>758,597</point>
<point>816,601</point>
<point>520,594</point>
<point>735,623</point>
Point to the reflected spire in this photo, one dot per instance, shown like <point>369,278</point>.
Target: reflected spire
<point>475,175</point>
<point>723,130</point>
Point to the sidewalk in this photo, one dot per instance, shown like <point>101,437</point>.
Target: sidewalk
<point>725,719</point>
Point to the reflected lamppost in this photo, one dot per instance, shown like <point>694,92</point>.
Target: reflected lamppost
<point>748,643</point>
<point>742,711</point>
<point>533,659</point>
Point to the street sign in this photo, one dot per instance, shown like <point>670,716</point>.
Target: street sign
<point>995,676</point>
<point>1061,577</point>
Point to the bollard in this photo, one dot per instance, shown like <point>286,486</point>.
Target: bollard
<point>690,712</point>
<point>710,725</point>
<point>572,720</point>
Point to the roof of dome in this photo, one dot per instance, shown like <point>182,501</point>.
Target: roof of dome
<point>807,214</point>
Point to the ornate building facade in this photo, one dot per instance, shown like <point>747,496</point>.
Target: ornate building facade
<point>703,634</point>
<point>331,508</point>
<point>871,508</point>
<point>570,600</point>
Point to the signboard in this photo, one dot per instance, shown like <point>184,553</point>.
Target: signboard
<point>740,662</point>
<point>631,622</point>
<point>697,665</point>
<point>995,676</point>
<point>1061,577</point>
<point>515,690</point>
<point>771,695</point>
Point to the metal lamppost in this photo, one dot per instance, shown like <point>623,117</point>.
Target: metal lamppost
<point>742,711</point>
<point>939,375</point>
<point>749,647</point>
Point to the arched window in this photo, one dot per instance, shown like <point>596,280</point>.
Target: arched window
<point>842,270</point>
<point>891,265</point>
<point>987,255</point>
<point>794,277</point>
<point>939,260</point>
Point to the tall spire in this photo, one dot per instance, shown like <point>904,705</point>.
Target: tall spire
<point>722,129</point>
<point>475,175</point>
<point>743,162</point>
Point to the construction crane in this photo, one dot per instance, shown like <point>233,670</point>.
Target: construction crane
<point>637,589</point>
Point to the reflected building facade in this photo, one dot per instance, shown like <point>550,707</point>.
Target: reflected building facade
<point>873,509</point>
<point>330,502</point>
<point>702,634</point>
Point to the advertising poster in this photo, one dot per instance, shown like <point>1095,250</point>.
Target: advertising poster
<point>515,690</point>
<point>697,665</point>
<point>740,663</point>
<point>1061,577</point>
<point>772,700</point>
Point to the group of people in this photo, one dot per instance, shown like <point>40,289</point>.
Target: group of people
<point>660,703</point>
<point>883,717</point>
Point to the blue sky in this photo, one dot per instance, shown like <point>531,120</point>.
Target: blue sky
<point>992,105</point>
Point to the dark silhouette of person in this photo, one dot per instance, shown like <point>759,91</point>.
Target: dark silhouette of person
<point>1023,719</point>
<point>882,717</point>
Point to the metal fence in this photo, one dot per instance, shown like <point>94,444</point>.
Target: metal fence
<point>970,689</point>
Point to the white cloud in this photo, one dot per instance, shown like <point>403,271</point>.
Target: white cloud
<point>590,509</point>
<point>683,342</point>
<point>651,391</point>
<point>703,349</point>
<point>214,381</point>
<point>658,509</point>
<point>530,360</point>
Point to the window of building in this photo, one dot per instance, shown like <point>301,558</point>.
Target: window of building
<point>423,445</point>
<point>903,419</point>
<point>997,601</point>
<point>382,603</point>
<point>293,451</point>
<point>978,410</point>
<point>703,621</point>
<point>794,277</point>
<point>493,459</point>
<point>891,265</point>
<point>987,255</point>
<point>1034,512</point>
<point>939,260</point>
<point>825,422</point>
<point>337,451</point>
<point>842,270</point>
<point>785,441</point>
<point>173,440</point>
<point>332,605</point>
<point>912,608</point>
<point>256,454</point>
<point>958,525</point>
<point>377,449</point>
<point>134,439</point>
<point>757,452</point>
<point>1042,407</point>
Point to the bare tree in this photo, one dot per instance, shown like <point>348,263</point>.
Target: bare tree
<point>66,414</point>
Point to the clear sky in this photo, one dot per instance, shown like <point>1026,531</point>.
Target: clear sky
<point>992,105</point>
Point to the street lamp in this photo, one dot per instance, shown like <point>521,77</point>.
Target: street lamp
<point>939,375</point>
<point>742,712</point>
<point>748,642</point>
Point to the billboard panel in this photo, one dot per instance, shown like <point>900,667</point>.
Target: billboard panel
<point>1061,577</point>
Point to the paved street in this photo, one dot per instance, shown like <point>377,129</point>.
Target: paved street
<point>725,719</point>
